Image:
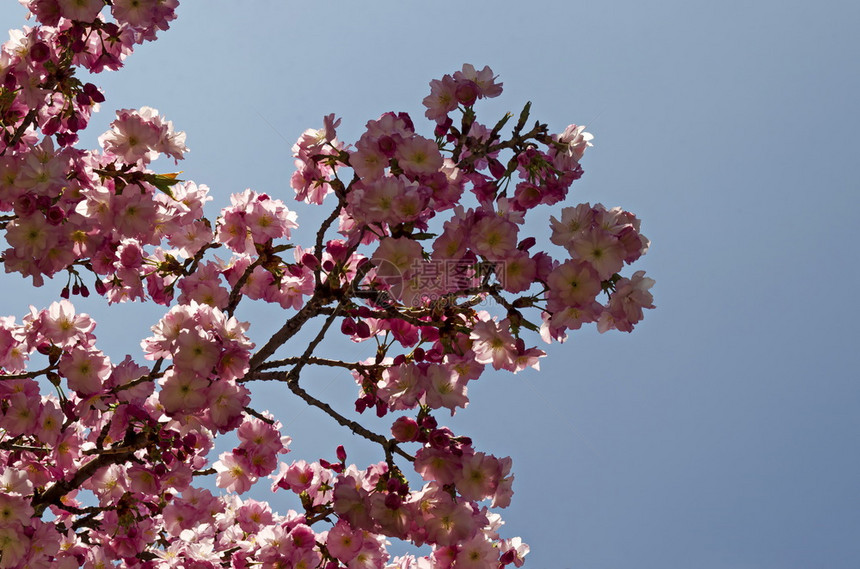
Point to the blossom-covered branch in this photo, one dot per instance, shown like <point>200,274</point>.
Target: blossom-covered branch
<point>423,263</point>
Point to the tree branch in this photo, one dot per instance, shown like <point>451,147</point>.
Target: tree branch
<point>389,445</point>
<point>287,331</point>
<point>54,494</point>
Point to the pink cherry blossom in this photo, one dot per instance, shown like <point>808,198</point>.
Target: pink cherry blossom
<point>232,475</point>
<point>85,370</point>
<point>442,98</point>
<point>484,79</point>
<point>104,464</point>
<point>494,237</point>
<point>602,250</point>
<point>573,283</point>
<point>570,147</point>
<point>417,155</point>
<point>82,10</point>
<point>626,303</point>
<point>183,392</point>
<point>493,343</point>
<point>343,541</point>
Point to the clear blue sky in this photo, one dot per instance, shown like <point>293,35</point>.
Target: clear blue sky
<point>723,433</point>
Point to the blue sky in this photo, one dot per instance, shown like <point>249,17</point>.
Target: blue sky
<point>722,433</point>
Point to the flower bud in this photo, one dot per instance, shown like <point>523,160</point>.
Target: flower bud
<point>24,205</point>
<point>66,138</point>
<point>360,405</point>
<point>404,429</point>
<point>429,422</point>
<point>52,125</point>
<point>337,249</point>
<point>310,261</point>
<point>527,244</point>
<point>94,94</point>
<point>433,355</point>
<point>55,215</point>
<point>347,326</point>
<point>381,408</point>
<point>111,29</point>
<point>386,145</point>
<point>75,123</point>
<point>497,169</point>
<point>362,330</point>
<point>40,52</point>
<point>392,484</point>
<point>467,93</point>
<point>508,557</point>
<point>440,438</point>
<point>442,128</point>
<point>393,501</point>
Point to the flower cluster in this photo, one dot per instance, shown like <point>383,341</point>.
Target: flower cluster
<point>140,136</point>
<point>255,457</point>
<point>210,352</point>
<point>254,219</point>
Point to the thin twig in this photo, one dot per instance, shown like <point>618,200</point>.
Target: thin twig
<point>357,428</point>
<point>313,361</point>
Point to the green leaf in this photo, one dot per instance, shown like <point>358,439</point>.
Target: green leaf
<point>164,181</point>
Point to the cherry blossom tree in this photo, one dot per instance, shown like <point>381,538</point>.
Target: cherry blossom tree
<point>422,260</point>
